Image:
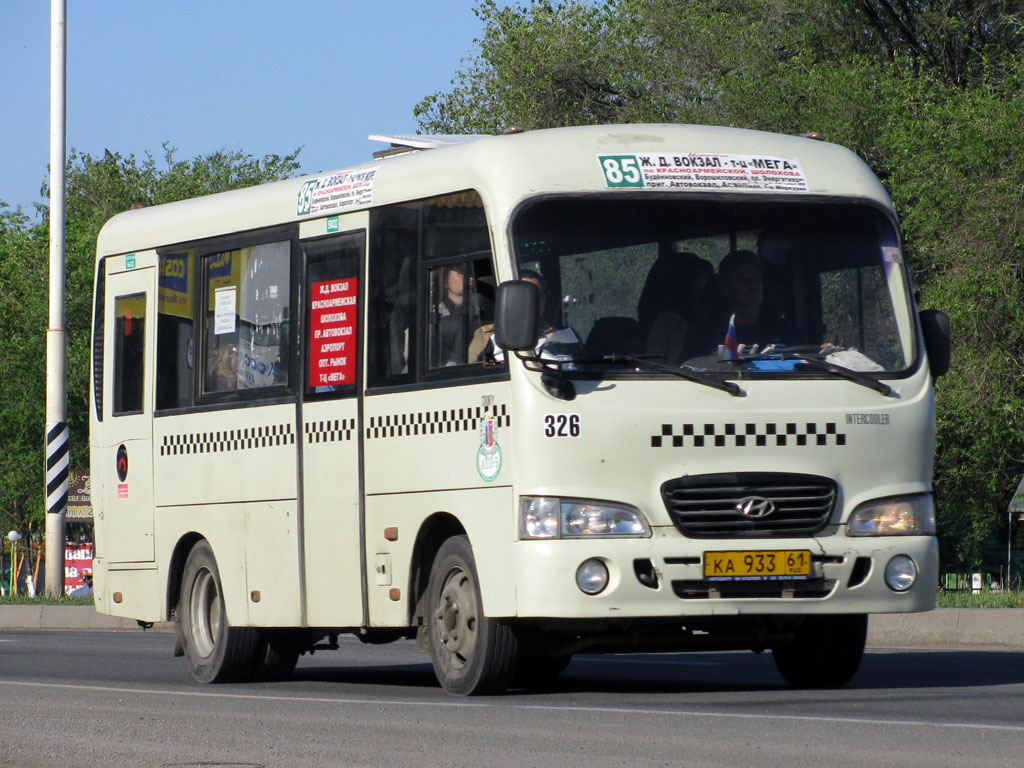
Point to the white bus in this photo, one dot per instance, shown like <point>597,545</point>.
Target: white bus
<point>582,390</point>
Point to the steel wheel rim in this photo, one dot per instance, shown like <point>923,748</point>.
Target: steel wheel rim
<point>456,616</point>
<point>204,612</point>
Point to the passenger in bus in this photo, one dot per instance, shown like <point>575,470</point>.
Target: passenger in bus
<point>223,373</point>
<point>560,344</point>
<point>669,304</point>
<point>741,281</point>
<point>459,316</point>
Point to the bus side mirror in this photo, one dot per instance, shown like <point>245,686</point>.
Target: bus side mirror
<point>515,315</point>
<point>937,339</point>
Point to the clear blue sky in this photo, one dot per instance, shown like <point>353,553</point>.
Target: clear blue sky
<point>254,75</point>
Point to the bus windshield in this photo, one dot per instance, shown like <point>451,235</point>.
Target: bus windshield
<point>707,285</point>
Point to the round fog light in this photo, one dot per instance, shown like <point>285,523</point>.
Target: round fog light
<point>592,576</point>
<point>900,573</point>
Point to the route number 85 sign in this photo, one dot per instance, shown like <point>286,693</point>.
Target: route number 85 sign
<point>621,171</point>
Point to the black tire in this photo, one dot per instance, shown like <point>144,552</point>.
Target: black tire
<point>471,653</point>
<point>825,653</point>
<point>216,652</point>
<point>277,655</point>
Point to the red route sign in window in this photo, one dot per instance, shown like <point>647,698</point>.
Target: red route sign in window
<point>332,333</point>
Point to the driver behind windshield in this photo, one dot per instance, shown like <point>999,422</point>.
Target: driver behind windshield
<point>741,279</point>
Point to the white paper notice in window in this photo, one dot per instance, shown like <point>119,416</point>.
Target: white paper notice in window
<point>225,310</point>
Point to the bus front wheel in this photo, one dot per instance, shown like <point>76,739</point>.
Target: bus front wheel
<point>216,652</point>
<point>471,653</point>
<point>825,651</point>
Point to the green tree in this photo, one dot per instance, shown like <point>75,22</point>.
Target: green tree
<point>954,41</point>
<point>96,189</point>
<point>957,180</point>
<point>24,254</point>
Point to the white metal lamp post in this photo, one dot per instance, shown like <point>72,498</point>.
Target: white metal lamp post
<point>14,537</point>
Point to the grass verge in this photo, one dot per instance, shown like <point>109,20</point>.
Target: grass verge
<point>25,600</point>
<point>984,599</point>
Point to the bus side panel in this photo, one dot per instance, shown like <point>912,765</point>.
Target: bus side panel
<point>230,476</point>
<point>137,589</point>
<point>230,456</point>
<point>485,513</point>
<point>255,546</point>
<point>438,439</point>
<point>443,450</point>
<point>272,565</point>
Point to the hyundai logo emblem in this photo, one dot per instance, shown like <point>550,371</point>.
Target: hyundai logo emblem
<point>755,507</point>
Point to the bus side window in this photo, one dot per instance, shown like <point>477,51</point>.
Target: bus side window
<point>174,330</point>
<point>391,335</point>
<point>332,319</point>
<point>129,353</point>
<point>246,318</point>
<point>414,249</point>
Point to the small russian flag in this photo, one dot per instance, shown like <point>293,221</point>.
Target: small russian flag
<point>732,347</point>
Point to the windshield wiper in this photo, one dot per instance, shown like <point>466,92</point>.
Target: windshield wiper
<point>560,370</point>
<point>690,375</point>
<point>824,364</point>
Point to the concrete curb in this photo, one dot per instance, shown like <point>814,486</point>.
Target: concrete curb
<point>1001,628</point>
<point>64,617</point>
<point>998,628</point>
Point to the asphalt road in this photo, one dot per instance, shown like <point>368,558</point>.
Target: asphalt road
<point>119,698</point>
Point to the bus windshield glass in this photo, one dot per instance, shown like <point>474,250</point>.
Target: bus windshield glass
<point>775,287</point>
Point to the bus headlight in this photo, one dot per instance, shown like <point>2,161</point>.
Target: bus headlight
<point>902,516</point>
<point>546,517</point>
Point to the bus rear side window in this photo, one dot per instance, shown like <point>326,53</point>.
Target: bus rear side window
<point>174,332</point>
<point>246,322</point>
<point>129,353</point>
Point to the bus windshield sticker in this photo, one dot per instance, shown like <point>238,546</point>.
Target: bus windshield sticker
<point>561,425</point>
<point>332,323</point>
<point>339,191</point>
<point>703,170</point>
<point>224,310</point>
<point>488,455</point>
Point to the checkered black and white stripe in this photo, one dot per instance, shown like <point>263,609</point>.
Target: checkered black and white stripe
<point>434,422</point>
<point>224,441</point>
<point>789,434</point>
<point>329,430</point>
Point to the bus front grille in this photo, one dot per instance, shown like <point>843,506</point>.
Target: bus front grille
<point>749,505</point>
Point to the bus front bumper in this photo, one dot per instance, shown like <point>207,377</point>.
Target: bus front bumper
<point>663,577</point>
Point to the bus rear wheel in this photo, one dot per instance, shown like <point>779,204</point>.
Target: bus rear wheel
<point>277,655</point>
<point>216,652</point>
<point>471,653</point>
<point>825,651</point>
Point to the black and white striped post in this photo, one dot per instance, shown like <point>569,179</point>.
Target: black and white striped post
<point>58,461</point>
<point>57,445</point>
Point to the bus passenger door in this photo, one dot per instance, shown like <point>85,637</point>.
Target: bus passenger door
<point>331,465</point>
<point>128,360</point>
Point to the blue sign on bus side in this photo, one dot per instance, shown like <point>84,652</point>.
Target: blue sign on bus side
<point>174,272</point>
<point>220,265</point>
